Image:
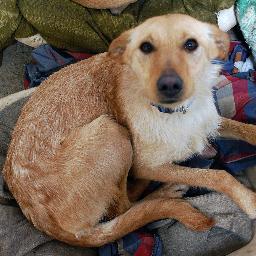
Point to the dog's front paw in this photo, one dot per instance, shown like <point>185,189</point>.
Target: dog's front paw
<point>193,218</point>
<point>248,204</point>
<point>200,223</point>
<point>251,209</point>
<point>251,138</point>
<point>249,133</point>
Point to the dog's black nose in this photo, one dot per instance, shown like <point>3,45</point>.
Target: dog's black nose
<point>169,86</point>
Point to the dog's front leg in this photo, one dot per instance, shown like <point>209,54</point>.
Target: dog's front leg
<point>237,130</point>
<point>217,180</point>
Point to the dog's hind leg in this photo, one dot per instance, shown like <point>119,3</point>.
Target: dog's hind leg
<point>140,214</point>
<point>237,130</point>
<point>87,182</point>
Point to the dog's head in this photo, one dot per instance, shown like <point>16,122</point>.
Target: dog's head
<point>171,56</point>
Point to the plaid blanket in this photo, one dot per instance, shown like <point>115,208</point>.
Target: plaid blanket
<point>134,244</point>
<point>235,96</point>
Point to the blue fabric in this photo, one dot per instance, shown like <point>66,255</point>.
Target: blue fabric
<point>48,60</point>
<point>135,243</point>
<point>229,64</point>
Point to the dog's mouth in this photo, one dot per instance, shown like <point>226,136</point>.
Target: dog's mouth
<point>183,108</point>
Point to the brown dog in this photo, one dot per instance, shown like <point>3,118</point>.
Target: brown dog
<point>90,123</point>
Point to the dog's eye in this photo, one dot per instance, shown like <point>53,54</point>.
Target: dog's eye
<point>191,45</point>
<point>147,47</point>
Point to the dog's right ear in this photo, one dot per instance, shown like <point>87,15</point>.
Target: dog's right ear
<point>220,47</point>
<point>118,46</point>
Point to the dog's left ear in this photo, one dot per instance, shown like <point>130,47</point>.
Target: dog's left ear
<point>221,43</point>
<point>118,46</point>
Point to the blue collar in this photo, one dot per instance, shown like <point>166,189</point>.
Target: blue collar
<point>182,109</point>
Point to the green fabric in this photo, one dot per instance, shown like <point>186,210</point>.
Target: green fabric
<point>246,15</point>
<point>66,24</point>
<point>9,21</point>
<point>25,29</point>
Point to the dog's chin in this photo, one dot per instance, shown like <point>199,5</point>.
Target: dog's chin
<point>170,103</point>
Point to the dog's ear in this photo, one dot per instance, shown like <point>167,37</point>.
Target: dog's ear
<point>118,46</point>
<point>220,47</point>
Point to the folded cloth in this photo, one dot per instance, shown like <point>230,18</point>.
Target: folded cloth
<point>47,60</point>
<point>238,55</point>
<point>240,62</point>
<point>232,230</point>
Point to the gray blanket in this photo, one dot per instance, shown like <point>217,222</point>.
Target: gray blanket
<point>19,238</point>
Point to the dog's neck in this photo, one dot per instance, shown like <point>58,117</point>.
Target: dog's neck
<point>180,109</point>
<point>139,112</point>
<point>137,109</point>
<point>176,136</point>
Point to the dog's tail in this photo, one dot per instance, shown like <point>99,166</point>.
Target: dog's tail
<point>137,216</point>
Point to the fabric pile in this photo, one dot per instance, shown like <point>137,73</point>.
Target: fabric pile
<point>46,61</point>
<point>65,24</point>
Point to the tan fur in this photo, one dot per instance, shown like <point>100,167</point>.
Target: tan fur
<point>236,130</point>
<point>90,123</point>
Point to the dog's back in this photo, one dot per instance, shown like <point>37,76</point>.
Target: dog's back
<point>67,100</point>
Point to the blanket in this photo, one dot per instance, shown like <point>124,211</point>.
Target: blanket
<point>65,24</point>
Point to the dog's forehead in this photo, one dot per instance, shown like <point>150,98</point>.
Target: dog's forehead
<point>175,26</point>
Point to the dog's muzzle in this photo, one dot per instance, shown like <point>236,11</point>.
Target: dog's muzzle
<point>169,87</point>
